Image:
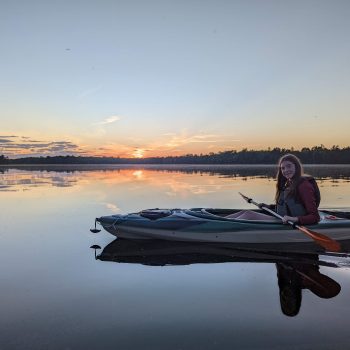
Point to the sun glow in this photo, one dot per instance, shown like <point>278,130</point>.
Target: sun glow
<point>138,153</point>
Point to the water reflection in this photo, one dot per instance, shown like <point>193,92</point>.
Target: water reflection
<point>295,271</point>
<point>338,171</point>
<point>132,188</point>
<point>16,180</point>
<point>294,277</point>
<point>70,175</point>
<point>55,295</point>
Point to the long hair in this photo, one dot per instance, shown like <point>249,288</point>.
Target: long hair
<point>281,180</point>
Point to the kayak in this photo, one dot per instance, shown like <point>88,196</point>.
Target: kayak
<point>218,226</point>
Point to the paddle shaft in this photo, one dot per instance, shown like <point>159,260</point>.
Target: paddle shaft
<point>249,200</point>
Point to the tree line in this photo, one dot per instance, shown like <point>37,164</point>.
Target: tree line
<point>315,155</point>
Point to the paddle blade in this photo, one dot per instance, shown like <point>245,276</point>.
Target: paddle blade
<point>324,241</point>
<point>95,230</point>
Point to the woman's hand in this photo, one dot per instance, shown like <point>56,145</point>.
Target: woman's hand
<point>260,205</point>
<point>287,218</point>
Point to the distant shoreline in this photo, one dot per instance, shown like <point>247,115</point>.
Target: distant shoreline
<point>154,165</point>
<point>314,155</point>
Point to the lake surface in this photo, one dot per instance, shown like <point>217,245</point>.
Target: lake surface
<point>55,295</point>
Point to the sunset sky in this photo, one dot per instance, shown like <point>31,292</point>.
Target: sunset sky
<point>139,78</point>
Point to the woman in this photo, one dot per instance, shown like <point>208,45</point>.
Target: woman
<point>297,195</point>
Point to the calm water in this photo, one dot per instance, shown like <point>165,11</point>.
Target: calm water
<point>55,295</point>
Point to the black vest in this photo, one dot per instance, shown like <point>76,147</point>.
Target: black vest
<point>291,206</point>
<point>288,205</point>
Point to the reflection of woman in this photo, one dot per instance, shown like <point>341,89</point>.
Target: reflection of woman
<point>297,196</point>
<point>292,278</point>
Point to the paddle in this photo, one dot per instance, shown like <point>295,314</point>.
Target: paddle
<point>322,240</point>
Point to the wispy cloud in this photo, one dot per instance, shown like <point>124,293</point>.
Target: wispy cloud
<point>184,142</point>
<point>183,139</point>
<point>109,120</point>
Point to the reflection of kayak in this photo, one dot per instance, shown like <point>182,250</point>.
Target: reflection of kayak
<point>213,225</point>
<point>161,253</point>
<point>295,271</point>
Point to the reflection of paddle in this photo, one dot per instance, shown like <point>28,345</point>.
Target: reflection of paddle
<point>319,284</point>
<point>322,240</point>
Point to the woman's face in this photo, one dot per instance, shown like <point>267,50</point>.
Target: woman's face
<point>287,169</point>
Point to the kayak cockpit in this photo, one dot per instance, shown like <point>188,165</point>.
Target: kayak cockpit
<point>262,216</point>
<point>237,215</point>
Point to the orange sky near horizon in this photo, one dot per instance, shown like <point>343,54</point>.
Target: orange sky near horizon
<point>182,147</point>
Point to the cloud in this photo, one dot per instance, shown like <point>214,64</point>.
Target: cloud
<point>171,143</point>
<point>23,147</point>
<point>28,139</point>
<point>180,140</point>
<point>5,140</point>
<point>109,120</point>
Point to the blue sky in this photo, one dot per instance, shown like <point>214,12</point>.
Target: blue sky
<point>143,78</point>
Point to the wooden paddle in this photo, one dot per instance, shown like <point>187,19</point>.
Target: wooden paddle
<point>322,240</point>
